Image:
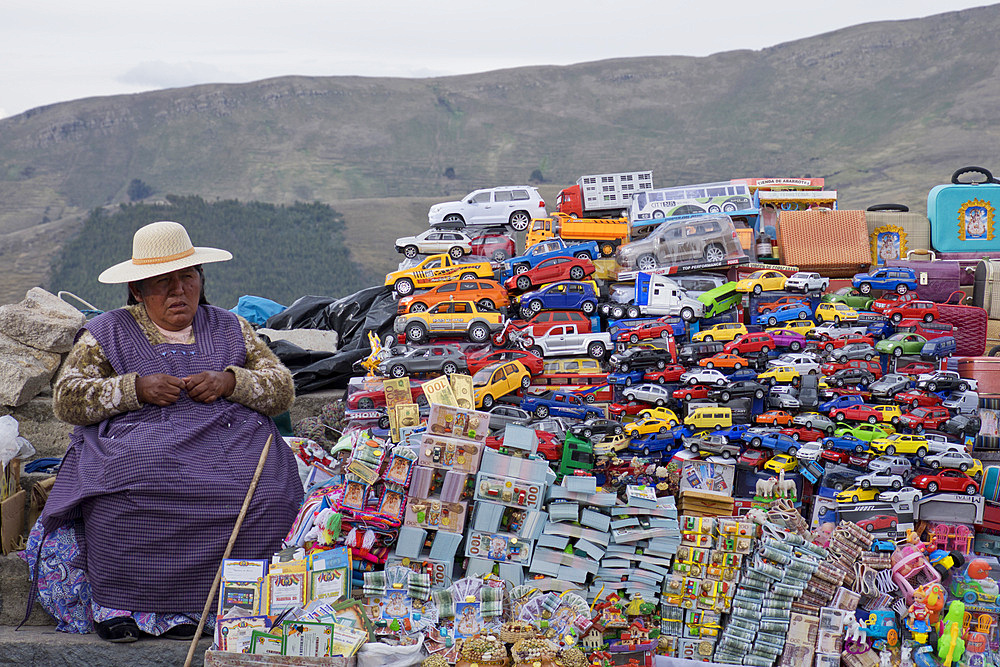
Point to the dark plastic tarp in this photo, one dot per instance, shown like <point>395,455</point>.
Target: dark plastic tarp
<point>352,317</point>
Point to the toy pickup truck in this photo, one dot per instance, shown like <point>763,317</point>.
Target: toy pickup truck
<point>434,271</point>
<point>558,404</point>
<point>566,340</point>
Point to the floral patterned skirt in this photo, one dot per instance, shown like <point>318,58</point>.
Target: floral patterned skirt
<point>64,592</point>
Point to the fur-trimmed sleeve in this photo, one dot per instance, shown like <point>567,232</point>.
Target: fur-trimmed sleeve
<point>263,383</point>
<point>88,390</point>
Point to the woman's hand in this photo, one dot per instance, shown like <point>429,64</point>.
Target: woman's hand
<point>208,386</point>
<point>159,389</point>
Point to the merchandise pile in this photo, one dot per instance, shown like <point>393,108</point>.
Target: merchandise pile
<point>738,426</point>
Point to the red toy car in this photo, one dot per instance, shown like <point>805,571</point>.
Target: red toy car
<point>917,309</point>
<point>548,445</point>
<point>916,398</point>
<point>495,245</point>
<point>750,343</point>
<point>482,358</point>
<point>672,373</point>
<point>691,392</point>
<point>891,300</point>
<point>946,480</point>
<point>856,413</point>
<point>645,331</point>
<point>551,270</point>
<point>803,434</point>
<point>930,416</point>
<point>754,458</point>
<point>779,302</point>
<point>871,366</point>
<point>829,344</point>
<point>369,400</point>
<point>915,368</point>
<point>928,330</point>
<point>847,458</point>
<point>878,522</point>
<point>632,408</point>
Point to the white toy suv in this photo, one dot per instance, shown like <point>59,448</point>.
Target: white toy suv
<point>806,281</point>
<point>434,242</point>
<point>510,205</point>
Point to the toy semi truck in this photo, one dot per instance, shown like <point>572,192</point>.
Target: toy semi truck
<point>603,195</point>
<point>608,233</point>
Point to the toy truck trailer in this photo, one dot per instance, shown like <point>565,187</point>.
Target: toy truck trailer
<point>609,233</point>
<point>603,195</point>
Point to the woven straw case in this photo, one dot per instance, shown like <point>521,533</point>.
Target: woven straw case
<point>834,243</point>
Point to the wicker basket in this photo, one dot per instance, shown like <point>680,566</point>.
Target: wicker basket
<point>834,243</point>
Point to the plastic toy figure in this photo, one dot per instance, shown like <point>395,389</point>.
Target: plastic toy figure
<point>917,618</point>
<point>950,644</point>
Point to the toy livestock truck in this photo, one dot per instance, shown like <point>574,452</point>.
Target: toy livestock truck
<point>603,195</point>
<point>608,233</point>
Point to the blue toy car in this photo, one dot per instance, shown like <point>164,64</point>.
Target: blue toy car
<point>779,442</point>
<point>554,247</point>
<point>898,279</point>
<point>627,379</point>
<point>943,346</point>
<point>656,442</point>
<point>844,401</point>
<point>559,404</point>
<point>567,295</point>
<point>845,443</point>
<point>786,313</point>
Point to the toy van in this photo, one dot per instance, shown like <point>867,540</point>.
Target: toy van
<point>964,402</point>
<point>710,417</point>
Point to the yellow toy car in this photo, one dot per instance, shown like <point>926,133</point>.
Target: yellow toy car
<point>781,462</point>
<point>798,326</point>
<point>890,413</point>
<point>611,445</point>
<point>666,414</point>
<point>450,318</point>
<point>900,443</point>
<point>975,471</point>
<point>725,332</point>
<point>836,313</point>
<point>435,270</point>
<point>496,380</point>
<point>760,281</point>
<point>780,374</point>
<point>858,495</point>
<point>648,425</point>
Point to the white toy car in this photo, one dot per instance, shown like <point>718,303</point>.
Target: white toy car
<point>805,364</point>
<point>648,392</point>
<point>881,480</point>
<point>961,460</point>
<point>704,376</point>
<point>810,451</point>
<point>892,465</point>
<point>435,242</point>
<point>900,495</point>
<point>510,205</point>
<point>807,281</point>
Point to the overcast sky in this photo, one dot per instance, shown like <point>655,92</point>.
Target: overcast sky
<point>58,50</point>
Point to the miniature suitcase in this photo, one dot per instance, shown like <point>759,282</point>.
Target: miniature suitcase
<point>969,324</point>
<point>991,483</point>
<point>986,371</point>
<point>893,231</point>
<point>831,242</point>
<point>963,216</point>
<point>986,289</point>
<point>992,335</point>
<point>937,279</point>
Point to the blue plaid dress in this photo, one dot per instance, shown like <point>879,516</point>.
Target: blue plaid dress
<point>145,501</point>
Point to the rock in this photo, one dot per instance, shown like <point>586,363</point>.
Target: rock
<point>25,371</point>
<point>42,320</point>
<point>307,339</point>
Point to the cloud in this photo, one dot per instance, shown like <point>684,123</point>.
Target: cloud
<point>159,74</point>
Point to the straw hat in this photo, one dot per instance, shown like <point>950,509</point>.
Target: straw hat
<point>158,248</point>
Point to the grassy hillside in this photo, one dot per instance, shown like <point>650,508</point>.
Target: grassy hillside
<point>883,111</point>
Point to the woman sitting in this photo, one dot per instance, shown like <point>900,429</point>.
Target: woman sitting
<point>172,399</point>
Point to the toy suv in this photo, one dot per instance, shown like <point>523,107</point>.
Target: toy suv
<point>509,205</point>
<point>926,311</point>
<point>900,280</point>
<point>709,238</point>
<point>433,242</point>
<point>450,318</point>
<point>807,281</point>
<point>493,243</point>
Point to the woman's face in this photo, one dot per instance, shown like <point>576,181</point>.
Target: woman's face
<point>171,299</point>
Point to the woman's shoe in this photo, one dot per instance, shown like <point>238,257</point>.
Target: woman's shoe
<point>184,631</point>
<point>121,630</point>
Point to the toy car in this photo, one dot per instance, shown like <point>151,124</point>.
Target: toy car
<point>781,463</point>
<point>780,374</point>
<point>449,318</point>
<point>878,522</point>
<point>724,332</point>
<point>655,442</point>
<point>894,465</point>
<point>900,495</point>
<point>704,376</point>
<point>554,247</point>
<point>856,494</point>
<point>859,412</point>
<point>436,270</point>
<point>774,418</point>
<point>446,359</point>
<point>946,480</point>
<point>847,377</point>
<point>840,402</point>
<point>802,434</point>
<point>777,441</point>
<point>502,414</point>
<point>845,443</point>
<point>835,312</point>
<point>891,300</point>
<point>648,392</point>
<point>889,385</point>
<point>553,269</point>
<point>880,480</point>
<point>496,245</point>
<point>672,373</point>
<point>925,417</point>
<point>866,432</point>
<point>902,443</point>
<point>816,421</point>
<point>639,358</point>
<point>645,331</point>
<point>500,379</point>
<point>898,279</point>
<point>961,460</point>
<point>693,391</point>
<point>486,294</point>
<point>784,314</point>
<point>854,351</point>
<point>917,397</point>
<point>723,360</point>
<point>788,338</point>
<point>805,363</point>
<point>750,343</point>
<point>768,306</point>
<point>558,404</point>
<point>434,241</point>
<point>753,458</point>
<point>740,388</point>
<point>849,297</point>
<point>709,444</point>
<point>899,344</point>
<point>485,357</point>
<point>807,281</point>
<point>649,425</point>
<point>917,309</point>
<point>567,295</point>
<point>759,281</point>
<point>944,381</point>
<point>598,426</point>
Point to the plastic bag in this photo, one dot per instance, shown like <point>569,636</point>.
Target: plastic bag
<point>256,309</point>
<point>383,655</point>
<point>12,446</point>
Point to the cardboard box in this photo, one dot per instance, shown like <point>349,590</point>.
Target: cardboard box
<point>12,522</point>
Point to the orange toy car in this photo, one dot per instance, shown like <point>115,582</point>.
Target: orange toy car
<point>723,360</point>
<point>775,418</point>
<point>484,293</point>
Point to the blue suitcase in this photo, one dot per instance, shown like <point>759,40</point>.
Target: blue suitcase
<point>963,215</point>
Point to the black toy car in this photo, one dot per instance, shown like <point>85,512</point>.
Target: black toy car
<point>851,377</point>
<point>596,426</point>
<point>741,388</point>
<point>636,358</point>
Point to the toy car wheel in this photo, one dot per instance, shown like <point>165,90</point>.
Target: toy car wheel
<point>836,319</point>
<point>726,396</point>
<point>632,312</point>
<point>865,484</point>
<point>962,386</point>
<point>756,442</point>
<point>971,490</point>
<point>839,416</point>
<point>418,307</point>
<point>688,396</point>
<point>410,251</point>
<point>607,249</point>
<point>520,220</point>
<point>646,263</point>
<point>765,350</point>
<point>415,333</point>
<point>645,451</point>
<point>617,312</point>
<point>715,253</point>
<point>535,306</point>
<point>623,367</point>
<point>397,370</point>
<point>901,288</point>
<point>771,321</point>
<point>792,451</point>
<point>523,283</point>
<point>536,350</point>
<point>720,382</point>
<point>859,449</point>
<point>576,273</point>
<point>628,383</point>
<point>479,333</point>
<point>499,255</point>
<point>456,252</point>
<point>487,401</point>
<point>468,275</point>
<point>865,288</point>
<point>404,287</point>
<point>898,352</point>
<point>896,318</point>
<point>588,307</point>
<point>921,452</point>
<point>932,487</point>
<point>596,350</point>
<point>757,289</point>
<point>541,412</point>
<point>589,398</point>
<point>737,366</point>
<point>449,368</point>
<point>872,419</point>
<point>896,486</point>
<point>454,219</point>
<point>709,364</point>
<point>525,382</point>
<point>759,393</point>
<point>795,436</point>
<point>935,464</point>
<point>487,304</point>
<point>795,346</point>
<point>687,314</point>
<point>583,254</point>
<point>890,450</point>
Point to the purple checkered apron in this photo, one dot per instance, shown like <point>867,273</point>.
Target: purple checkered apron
<point>159,489</point>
